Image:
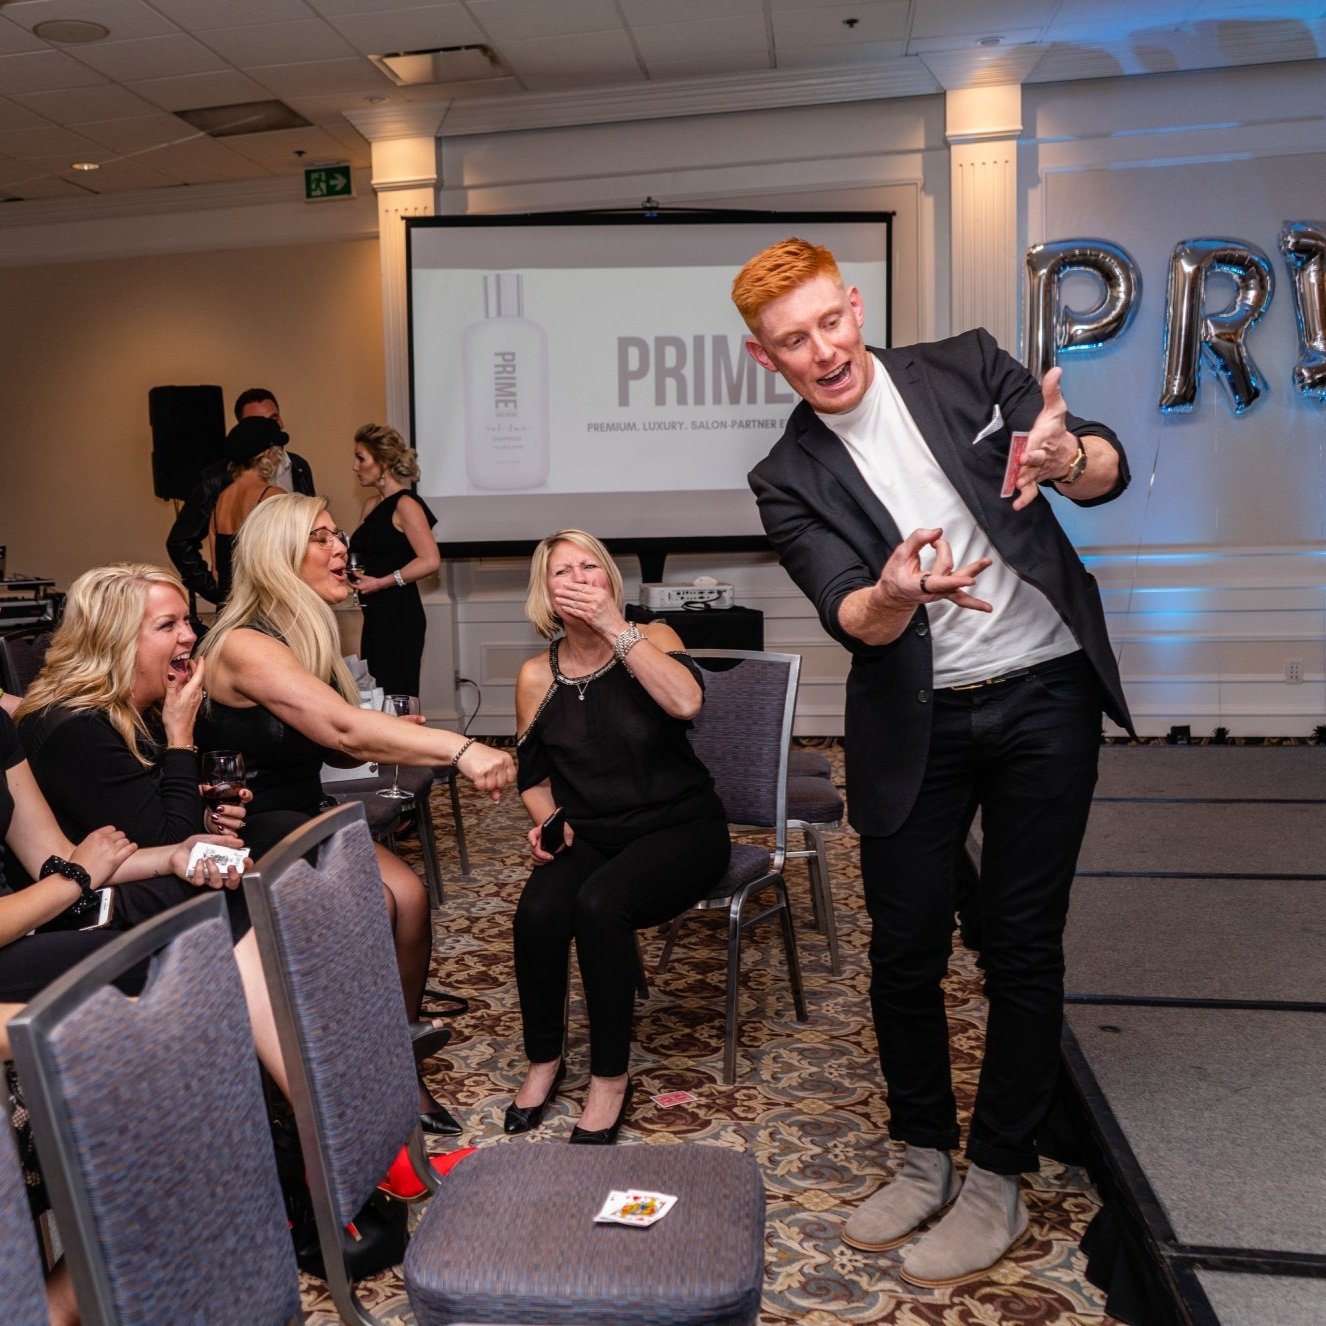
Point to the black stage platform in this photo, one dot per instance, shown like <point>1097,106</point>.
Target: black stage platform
<point>1195,1033</point>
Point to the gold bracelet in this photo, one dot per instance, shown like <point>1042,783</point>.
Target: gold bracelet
<point>192,749</point>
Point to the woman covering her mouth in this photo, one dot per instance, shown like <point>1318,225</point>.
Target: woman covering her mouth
<point>108,725</point>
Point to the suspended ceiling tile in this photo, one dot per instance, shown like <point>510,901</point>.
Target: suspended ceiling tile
<point>825,25</point>
<point>335,7</point>
<point>641,13</point>
<point>150,57</point>
<point>226,88</point>
<point>201,161</point>
<point>13,115</point>
<point>561,62</point>
<point>945,18</point>
<point>524,20</point>
<point>42,71</point>
<point>278,43</point>
<point>103,101</point>
<point>322,76</point>
<point>200,15</point>
<point>277,151</point>
<point>126,19</point>
<point>115,176</point>
<point>417,29</point>
<point>137,132</point>
<point>35,144</point>
<point>741,36</point>
<point>15,38</point>
<point>35,186</point>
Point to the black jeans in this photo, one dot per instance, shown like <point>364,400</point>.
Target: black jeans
<point>601,898</point>
<point>1026,751</point>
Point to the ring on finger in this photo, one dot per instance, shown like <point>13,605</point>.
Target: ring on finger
<point>925,575</point>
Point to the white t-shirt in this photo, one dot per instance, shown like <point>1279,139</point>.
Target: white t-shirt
<point>1024,629</point>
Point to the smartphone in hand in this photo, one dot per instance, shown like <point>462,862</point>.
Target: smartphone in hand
<point>551,836</point>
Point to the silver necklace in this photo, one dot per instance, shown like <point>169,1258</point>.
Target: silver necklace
<point>580,683</point>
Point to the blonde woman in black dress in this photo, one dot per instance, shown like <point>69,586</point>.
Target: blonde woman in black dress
<point>396,549</point>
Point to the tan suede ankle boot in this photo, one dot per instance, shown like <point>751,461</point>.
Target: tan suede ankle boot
<point>987,1221</point>
<point>924,1185</point>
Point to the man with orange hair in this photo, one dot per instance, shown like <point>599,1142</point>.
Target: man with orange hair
<point>980,667</point>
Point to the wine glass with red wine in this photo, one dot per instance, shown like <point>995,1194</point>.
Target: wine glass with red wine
<point>222,777</point>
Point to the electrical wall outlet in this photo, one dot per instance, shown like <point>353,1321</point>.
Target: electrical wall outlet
<point>1293,670</point>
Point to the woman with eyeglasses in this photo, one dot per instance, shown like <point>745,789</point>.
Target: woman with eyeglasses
<point>396,549</point>
<point>279,691</point>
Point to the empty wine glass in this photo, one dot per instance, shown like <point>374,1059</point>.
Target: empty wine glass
<point>354,568</point>
<point>401,706</point>
<point>222,777</point>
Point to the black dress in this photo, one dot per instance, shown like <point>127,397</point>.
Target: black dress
<point>282,767</point>
<point>30,963</point>
<point>393,639</point>
<point>90,777</point>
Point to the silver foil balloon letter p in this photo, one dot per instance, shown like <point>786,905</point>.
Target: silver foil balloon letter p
<point>1051,327</point>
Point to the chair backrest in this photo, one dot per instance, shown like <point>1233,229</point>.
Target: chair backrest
<point>21,660</point>
<point>744,731</point>
<point>330,964</point>
<point>152,1132</point>
<point>22,1290</point>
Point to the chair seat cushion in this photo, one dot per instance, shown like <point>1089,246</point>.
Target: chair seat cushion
<point>747,863</point>
<point>814,800</point>
<point>511,1237</point>
<point>381,813</point>
<point>808,764</point>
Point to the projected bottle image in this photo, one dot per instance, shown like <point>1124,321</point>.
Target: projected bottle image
<point>505,364</point>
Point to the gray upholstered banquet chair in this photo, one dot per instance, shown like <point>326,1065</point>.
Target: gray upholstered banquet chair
<point>153,1134</point>
<point>513,1237</point>
<point>742,735</point>
<point>22,1286</point>
<point>813,805</point>
<point>385,815</point>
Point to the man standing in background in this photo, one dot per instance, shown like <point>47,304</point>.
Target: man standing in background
<point>953,701</point>
<point>184,543</point>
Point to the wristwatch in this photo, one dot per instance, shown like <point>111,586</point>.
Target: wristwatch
<point>1077,469</point>
<point>87,900</point>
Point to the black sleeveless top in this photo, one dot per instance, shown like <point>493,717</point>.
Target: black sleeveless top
<point>617,764</point>
<point>381,546</point>
<point>283,767</point>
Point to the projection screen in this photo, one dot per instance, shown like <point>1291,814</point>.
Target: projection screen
<point>588,369</point>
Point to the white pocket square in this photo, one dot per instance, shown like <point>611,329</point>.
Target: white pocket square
<point>995,424</point>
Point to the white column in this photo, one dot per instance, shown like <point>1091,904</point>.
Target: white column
<point>983,125</point>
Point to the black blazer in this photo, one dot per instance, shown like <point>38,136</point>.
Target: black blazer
<point>834,536</point>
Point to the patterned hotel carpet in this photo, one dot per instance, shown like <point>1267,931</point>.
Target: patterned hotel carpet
<point>807,1101</point>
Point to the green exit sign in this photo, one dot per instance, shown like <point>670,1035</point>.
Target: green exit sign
<point>323,182</point>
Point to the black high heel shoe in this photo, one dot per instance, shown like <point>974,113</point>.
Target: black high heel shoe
<point>525,1118</point>
<point>440,1121</point>
<point>604,1136</point>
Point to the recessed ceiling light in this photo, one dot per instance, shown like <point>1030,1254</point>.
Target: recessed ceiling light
<point>70,31</point>
<point>375,101</point>
<point>989,41</point>
<point>86,165</point>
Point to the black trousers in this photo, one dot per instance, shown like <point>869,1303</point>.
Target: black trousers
<point>1026,751</point>
<point>30,964</point>
<point>600,898</point>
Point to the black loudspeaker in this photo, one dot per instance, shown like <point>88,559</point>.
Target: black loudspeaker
<point>188,434</point>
